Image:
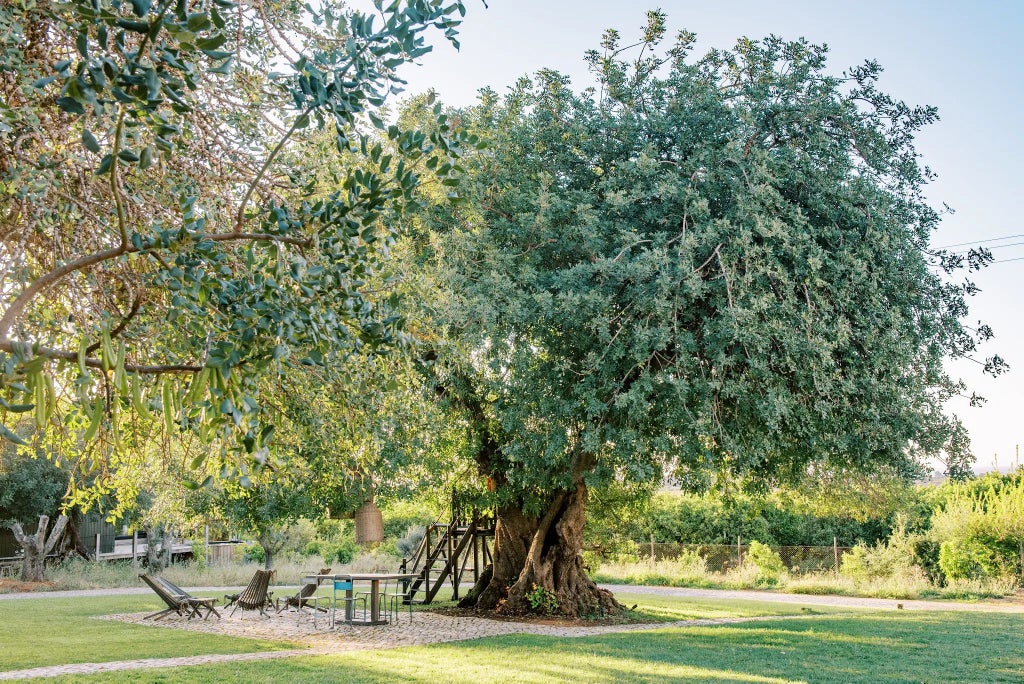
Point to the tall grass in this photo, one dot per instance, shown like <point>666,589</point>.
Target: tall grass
<point>81,574</point>
<point>672,573</point>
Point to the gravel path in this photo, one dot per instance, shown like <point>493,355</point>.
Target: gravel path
<point>117,591</point>
<point>816,600</point>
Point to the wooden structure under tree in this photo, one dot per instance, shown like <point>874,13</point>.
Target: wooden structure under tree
<point>446,552</point>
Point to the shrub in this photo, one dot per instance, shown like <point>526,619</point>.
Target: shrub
<point>968,559</point>
<point>689,563</point>
<point>408,543</point>
<point>296,536</point>
<point>329,529</point>
<point>400,516</point>
<point>254,553</point>
<point>541,600</point>
<point>342,552</point>
<point>894,558</point>
<point>768,563</point>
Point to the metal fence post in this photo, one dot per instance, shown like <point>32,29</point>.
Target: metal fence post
<point>739,552</point>
<point>835,551</point>
<point>652,550</point>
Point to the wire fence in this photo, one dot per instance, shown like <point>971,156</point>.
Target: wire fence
<point>725,557</point>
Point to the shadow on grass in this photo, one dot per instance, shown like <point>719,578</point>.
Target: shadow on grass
<point>875,647</point>
<point>55,631</point>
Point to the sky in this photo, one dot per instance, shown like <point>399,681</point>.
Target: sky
<point>964,58</point>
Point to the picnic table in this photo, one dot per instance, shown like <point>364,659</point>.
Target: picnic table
<point>374,578</point>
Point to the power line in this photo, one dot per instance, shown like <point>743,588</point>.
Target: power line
<point>1008,244</point>
<point>980,242</point>
<point>1003,261</point>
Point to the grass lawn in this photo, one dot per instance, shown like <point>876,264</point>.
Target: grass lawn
<point>53,631</point>
<point>654,608</point>
<point>834,646</point>
<point>857,647</point>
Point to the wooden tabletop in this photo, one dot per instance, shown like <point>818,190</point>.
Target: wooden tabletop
<point>374,575</point>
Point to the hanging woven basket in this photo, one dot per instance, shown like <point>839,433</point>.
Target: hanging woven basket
<point>369,524</point>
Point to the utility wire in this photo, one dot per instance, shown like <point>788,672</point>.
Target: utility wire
<point>979,242</point>
<point>1008,244</point>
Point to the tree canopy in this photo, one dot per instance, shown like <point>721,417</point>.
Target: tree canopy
<point>703,267</point>
<point>165,247</point>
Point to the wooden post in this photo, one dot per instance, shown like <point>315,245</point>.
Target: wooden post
<point>652,551</point>
<point>476,557</point>
<point>454,561</point>
<point>739,552</point>
<point>97,556</point>
<point>206,544</point>
<point>135,548</point>
<point>426,561</point>
<point>835,551</point>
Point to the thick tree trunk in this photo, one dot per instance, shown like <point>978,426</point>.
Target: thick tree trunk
<point>513,533</point>
<point>37,546</point>
<point>268,556</point>
<point>541,558</point>
<point>157,559</point>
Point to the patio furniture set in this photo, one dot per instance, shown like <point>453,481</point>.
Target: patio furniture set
<point>380,605</point>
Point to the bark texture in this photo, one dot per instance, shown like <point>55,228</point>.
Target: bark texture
<point>538,564</point>
<point>37,546</point>
<point>158,557</point>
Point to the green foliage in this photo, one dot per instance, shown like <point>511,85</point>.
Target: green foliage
<point>893,558</point>
<point>979,525</point>
<point>542,601</point>
<point>408,543</point>
<point>254,553</point>
<point>30,485</point>
<point>343,551</point>
<point>399,517</point>
<point>768,563</point>
<point>713,519</point>
<point>666,275</point>
<point>211,244</point>
<point>969,558</point>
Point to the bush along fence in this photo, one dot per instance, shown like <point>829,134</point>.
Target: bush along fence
<point>725,557</point>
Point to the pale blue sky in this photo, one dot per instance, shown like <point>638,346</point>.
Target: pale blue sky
<point>964,58</point>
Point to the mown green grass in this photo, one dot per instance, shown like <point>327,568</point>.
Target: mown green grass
<point>654,608</point>
<point>52,631</point>
<point>855,647</point>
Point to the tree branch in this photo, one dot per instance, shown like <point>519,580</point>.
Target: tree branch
<point>136,304</point>
<point>51,353</point>
<point>47,280</point>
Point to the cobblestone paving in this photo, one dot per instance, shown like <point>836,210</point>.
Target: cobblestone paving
<point>425,628</point>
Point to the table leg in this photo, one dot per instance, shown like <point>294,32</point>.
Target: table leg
<point>349,609</point>
<point>374,601</point>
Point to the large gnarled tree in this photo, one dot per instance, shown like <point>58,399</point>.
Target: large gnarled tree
<point>704,267</point>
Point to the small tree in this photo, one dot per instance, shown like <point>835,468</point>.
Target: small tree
<point>31,488</point>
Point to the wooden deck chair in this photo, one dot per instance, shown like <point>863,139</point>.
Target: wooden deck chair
<point>196,604</point>
<point>255,596</point>
<point>174,603</point>
<point>301,599</point>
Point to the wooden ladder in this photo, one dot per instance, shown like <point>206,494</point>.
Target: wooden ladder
<point>450,547</point>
